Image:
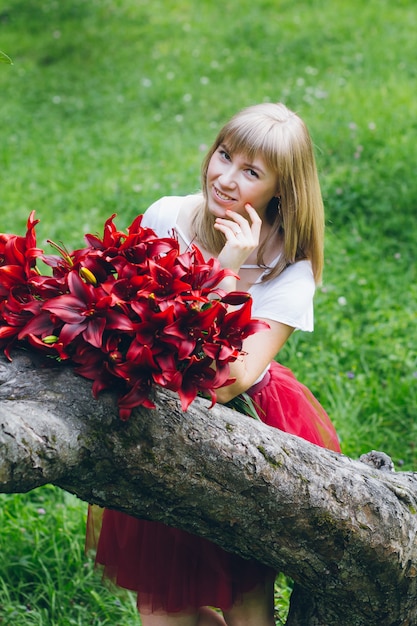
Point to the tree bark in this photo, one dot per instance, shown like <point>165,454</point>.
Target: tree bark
<point>342,529</point>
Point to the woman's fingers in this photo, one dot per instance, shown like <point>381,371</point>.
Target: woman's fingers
<point>236,224</point>
<point>256,221</point>
<point>242,237</point>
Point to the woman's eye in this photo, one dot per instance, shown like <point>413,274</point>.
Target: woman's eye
<point>224,154</point>
<point>253,174</point>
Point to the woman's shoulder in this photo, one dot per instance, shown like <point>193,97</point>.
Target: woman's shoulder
<point>295,274</point>
<point>297,281</point>
<point>165,202</point>
<point>172,205</point>
<point>300,270</point>
<point>168,212</point>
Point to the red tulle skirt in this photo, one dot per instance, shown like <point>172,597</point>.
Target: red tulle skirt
<point>172,570</point>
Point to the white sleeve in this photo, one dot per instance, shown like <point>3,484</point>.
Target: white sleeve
<point>288,298</point>
<point>161,216</point>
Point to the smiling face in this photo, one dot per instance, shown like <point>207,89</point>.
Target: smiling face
<point>234,180</point>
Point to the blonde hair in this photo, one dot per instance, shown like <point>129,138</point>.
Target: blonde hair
<point>281,138</point>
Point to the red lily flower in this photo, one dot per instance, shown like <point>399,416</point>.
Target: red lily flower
<point>111,236</point>
<point>164,283</point>
<point>219,351</point>
<point>142,246</point>
<point>15,312</point>
<point>93,365</point>
<point>137,396</point>
<point>149,337</point>
<point>21,251</point>
<point>47,287</point>
<point>128,309</point>
<point>11,276</point>
<point>194,328</point>
<point>200,377</point>
<point>238,324</point>
<point>49,344</point>
<point>169,375</point>
<point>201,275</point>
<point>85,311</point>
<point>41,325</point>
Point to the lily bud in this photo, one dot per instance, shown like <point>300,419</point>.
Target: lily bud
<point>236,297</point>
<point>88,276</point>
<point>49,339</point>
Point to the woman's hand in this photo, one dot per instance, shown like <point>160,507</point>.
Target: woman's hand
<point>242,237</point>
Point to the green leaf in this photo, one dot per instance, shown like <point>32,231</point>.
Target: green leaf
<point>5,59</point>
<point>243,403</point>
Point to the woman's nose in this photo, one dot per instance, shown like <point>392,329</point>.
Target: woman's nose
<point>228,178</point>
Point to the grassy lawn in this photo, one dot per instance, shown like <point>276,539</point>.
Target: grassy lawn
<point>110,104</point>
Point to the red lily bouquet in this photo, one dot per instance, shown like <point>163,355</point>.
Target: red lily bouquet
<point>129,311</point>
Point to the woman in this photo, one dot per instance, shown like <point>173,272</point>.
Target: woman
<point>261,214</point>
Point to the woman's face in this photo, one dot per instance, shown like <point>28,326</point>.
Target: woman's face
<point>233,181</point>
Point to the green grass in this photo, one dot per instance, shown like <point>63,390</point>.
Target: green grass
<point>111,103</point>
<point>45,578</point>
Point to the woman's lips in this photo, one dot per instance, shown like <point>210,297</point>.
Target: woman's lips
<point>223,197</point>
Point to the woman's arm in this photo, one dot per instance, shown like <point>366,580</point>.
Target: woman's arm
<point>242,237</point>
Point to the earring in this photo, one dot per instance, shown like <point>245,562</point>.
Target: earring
<point>278,204</point>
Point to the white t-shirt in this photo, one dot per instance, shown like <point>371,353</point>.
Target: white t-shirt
<point>288,298</point>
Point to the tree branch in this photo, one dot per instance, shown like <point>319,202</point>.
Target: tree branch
<point>342,529</point>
